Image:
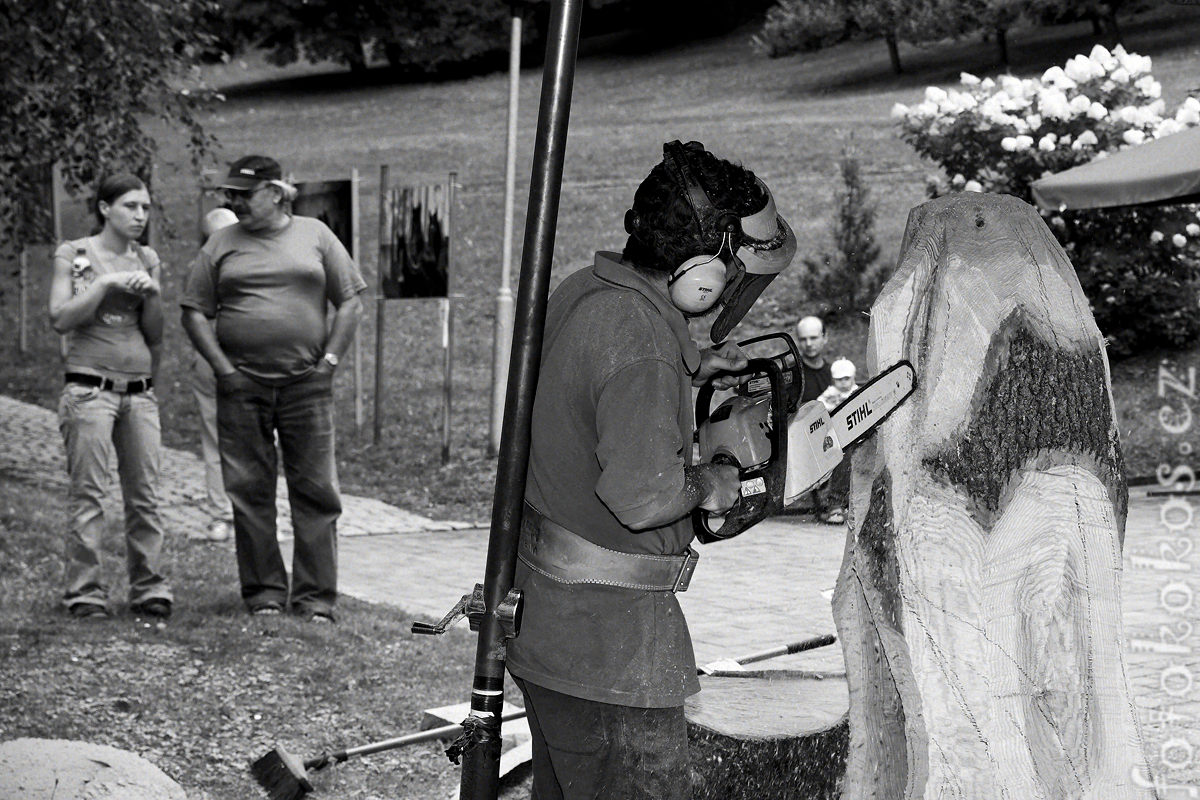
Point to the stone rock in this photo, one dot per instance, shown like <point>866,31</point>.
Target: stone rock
<point>68,770</point>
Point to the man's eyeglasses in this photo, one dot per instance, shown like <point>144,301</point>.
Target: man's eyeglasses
<point>243,194</point>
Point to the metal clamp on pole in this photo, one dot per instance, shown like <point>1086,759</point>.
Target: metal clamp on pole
<point>473,607</point>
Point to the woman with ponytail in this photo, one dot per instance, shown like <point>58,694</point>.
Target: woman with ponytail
<point>105,298</point>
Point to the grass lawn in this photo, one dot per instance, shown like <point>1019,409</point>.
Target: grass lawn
<point>787,118</point>
<point>205,693</point>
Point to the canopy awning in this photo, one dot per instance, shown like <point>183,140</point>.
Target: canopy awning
<point>1165,170</point>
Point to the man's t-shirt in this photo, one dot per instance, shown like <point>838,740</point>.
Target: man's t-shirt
<point>612,432</point>
<point>816,381</point>
<point>269,291</point>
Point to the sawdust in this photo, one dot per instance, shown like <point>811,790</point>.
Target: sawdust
<point>68,770</point>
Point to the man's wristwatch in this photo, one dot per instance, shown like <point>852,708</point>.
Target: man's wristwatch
<point>331,359</point>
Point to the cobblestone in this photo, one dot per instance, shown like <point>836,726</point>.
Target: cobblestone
<point>770,587</point>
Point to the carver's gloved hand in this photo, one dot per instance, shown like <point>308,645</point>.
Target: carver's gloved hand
<point>724,357</point>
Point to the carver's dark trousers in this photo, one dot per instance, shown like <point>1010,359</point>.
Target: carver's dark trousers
<point>248,415</point>
<point>584,750</point>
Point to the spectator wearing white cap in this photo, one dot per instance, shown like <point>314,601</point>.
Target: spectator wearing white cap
<point>842,371</point>
<point>204,389</point>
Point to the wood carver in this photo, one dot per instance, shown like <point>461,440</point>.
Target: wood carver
<point>979,599</point>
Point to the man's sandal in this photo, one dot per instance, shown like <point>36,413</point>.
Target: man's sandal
<point>88,611</point>
<point>155,607</point>
<point>266,609</point>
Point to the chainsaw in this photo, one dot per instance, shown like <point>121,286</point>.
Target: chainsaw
<point>783,449</point>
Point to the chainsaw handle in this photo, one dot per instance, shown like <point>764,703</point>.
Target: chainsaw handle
<point>748,509</point>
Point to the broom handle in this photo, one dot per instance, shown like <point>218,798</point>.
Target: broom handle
<point>400,741</point>
<point>451,730</point>
<point>788,649</point>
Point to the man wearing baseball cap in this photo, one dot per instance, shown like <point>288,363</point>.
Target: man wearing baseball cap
<point>267,282</point>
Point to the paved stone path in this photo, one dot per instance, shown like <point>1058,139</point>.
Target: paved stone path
<point>769,587</point>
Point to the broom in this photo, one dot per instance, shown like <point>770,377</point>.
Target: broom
<point>284,777</point>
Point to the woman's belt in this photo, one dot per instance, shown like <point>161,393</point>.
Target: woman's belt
<point>551,550</point>
<point>120,386</point>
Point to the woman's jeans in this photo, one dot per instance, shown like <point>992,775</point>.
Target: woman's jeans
<point>94,423</point>
<point>248,415</point>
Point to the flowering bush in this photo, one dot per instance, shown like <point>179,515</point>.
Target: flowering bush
<point>1139,265</point>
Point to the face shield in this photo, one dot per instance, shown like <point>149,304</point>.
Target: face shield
<point>767,246</point>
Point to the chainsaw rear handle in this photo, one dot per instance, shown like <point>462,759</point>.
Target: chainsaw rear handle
<point>759,485</point>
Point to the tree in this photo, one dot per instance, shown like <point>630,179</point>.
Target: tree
<point>82,80</point>
<point>847,279</point>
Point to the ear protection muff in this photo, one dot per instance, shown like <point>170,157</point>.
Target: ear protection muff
<point>697,284</point>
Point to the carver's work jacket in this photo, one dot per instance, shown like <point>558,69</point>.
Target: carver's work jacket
<point>612,433</point>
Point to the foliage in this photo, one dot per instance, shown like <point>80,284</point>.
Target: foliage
<point>794,26</point>
<point>82,80</point>
<point>846,280</point>
<point>797,25</point>
<point>1139,266</point>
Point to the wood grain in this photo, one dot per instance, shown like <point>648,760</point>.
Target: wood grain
<point>979,599</point>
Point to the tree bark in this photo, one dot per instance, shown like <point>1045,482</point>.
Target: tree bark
<point>894,53</point>
<point>979,599</point>
<point>1002,45</point>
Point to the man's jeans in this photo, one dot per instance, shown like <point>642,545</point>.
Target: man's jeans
<point>93,423</point>
<point>248,414</point>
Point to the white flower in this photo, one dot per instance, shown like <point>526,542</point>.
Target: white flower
<point>1047,142</point>
<point>967,79</point>
<point>1156,237</point>
<point>1080,104</point>
<point>1081,69</point>
<point>927,109</point>
<point>1023,142</point>
<point>1192,229</point>
<point>899,111</point>
<point>1064,140</point>
<point>1097,111</point>
<point>935,94</point>
<point>1179,240</point>
<point>1102,57</point>
<point>1120,75</point>
<point>1054,104</point>
<point>1187,116</point>
<point>1148,86</point>
<point>973,186</point>
<point>1035,121</point>
<point>1008,143</point>
<point>1167,127</point>
<point>1133,137</point>
<point>987,84</point>
<point>958,179</point>
<point>1086,139</point>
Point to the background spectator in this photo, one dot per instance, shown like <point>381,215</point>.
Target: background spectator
<point>268,282</point>
<point>104,296</point>
<point>842,371</point>
<point>204,389</point>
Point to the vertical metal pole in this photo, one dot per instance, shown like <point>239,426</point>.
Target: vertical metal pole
<point>385,263</point>
<point>448,323</point>
<point>23,299</point>
<point>481,762</point>
<point>356,254</point>
<point>502,339</point>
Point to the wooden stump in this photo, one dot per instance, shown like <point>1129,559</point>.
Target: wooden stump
<point>979,598</point>
<point>769,735</point>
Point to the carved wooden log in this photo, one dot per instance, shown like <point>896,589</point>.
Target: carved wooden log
<point>979,599</point>
<point>768,735</point>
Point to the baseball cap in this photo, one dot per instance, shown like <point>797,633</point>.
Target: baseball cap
<point>842,368</point>
<point>250,172</point>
